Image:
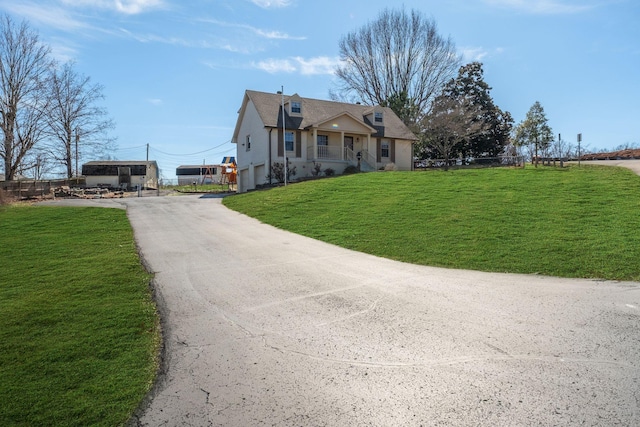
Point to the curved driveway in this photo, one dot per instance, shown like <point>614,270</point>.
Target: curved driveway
<point>631,164</point>
<point>265,327</point>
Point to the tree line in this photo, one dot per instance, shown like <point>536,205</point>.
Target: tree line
<point>400,61</point>
<point>49,113</point>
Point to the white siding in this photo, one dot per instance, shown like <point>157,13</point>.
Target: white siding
<point>150,180</point>
<point>258,155</point>
<point>403,155</point>
<point>94,181</point>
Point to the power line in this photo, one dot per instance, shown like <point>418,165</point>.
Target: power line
<point>193,159</point>
<point>190,154</point>
<point>130,148</point>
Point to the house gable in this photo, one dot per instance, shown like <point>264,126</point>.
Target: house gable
<point>344,122</point>
<point>294,106</point>
<point>241,117</point>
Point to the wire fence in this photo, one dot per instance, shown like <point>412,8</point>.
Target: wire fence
<point>20,190</point>
<point>28,189</point>
<point>480,162</point>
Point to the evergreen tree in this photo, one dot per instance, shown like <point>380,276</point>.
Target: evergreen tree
<point>404,107</point>
<point>534,131</point>
<point>496,124</point>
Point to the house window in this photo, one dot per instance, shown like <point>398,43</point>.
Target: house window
<point>288,141</point>
<point>377,117</point>
<point>248,142</point>
<point>323,140</point>
<point>384,150</point>
<point>296,107</point>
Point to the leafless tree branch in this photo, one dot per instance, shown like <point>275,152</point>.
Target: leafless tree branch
<point>399,53</point>
<point>25,64</point>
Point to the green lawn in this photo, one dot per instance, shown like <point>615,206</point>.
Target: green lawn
<point>79,333</point>
<point>570,222</point>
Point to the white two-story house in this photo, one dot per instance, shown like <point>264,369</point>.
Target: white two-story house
<point>316,132</point>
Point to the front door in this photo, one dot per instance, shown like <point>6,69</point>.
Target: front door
<point>348,142</point>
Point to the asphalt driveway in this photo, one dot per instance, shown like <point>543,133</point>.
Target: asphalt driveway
<point>633,165</point>
<point>265,327</point>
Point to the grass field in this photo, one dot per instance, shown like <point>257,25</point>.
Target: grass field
<point>79,332</point>
<point>569,222</point>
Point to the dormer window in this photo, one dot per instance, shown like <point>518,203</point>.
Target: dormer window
<point>377,117</point>
<point>296,107</point>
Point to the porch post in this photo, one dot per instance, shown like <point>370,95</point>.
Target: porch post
<point>342,151</point>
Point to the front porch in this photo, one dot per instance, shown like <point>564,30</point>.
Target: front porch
<point>343,148</point>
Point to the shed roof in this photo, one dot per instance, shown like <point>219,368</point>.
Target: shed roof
<point>197,166</point>
<point>122,162</point>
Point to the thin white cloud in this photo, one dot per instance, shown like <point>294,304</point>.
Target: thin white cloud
<point>174,41</point>
<point>317,65</point>
<point>132,7</point>
<point>155,101</point>
<point>307,67</point>
<point>215,43</point>
<point>273,66</point>
<point>102,4</point>
<point>271,4</point>
<point>242,48</point>
<point>233,49</point>
<point>49,16</point>
<point>267,34</point>
<point>273,34</point>
<point>128,7</point>
<point>543,7</point>
<point>63,50</point>
<point>471,54</point>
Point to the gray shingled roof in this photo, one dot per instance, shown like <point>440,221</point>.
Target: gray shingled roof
<point>316,111</point>
<point>120,162</point>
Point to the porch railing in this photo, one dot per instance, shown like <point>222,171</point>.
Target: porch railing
<point>367,160</point>
<point>328,152</point>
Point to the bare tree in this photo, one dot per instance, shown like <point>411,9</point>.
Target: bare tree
<point>24,69</point>
<point>398,56</point>
<point>78,126</point>
<point>451,124</point>
<point>561,148</point>
<point>37,164</point>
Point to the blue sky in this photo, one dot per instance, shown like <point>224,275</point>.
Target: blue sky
<point>175,71</point>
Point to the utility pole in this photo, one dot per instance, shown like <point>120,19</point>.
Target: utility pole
<point>147,151</point>
<point>579,141</point>
<point>284,139</point>
<point>77,139</point>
